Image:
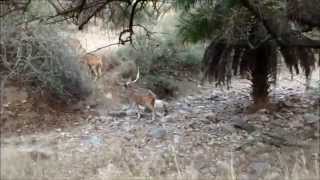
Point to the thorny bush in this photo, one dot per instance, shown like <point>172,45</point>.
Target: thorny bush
<point>40,57</point>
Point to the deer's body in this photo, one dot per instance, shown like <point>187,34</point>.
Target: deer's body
<point>142,97</point>
<point>94,63</point>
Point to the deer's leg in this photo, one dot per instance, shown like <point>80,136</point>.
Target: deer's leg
<point>138,111</point>
<point>99,69</point>
<point>91,70</point>
<point>153,101</point>
<point>95,73</point>
<point>151,107</point>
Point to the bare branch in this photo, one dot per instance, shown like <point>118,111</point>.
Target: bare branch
<point>106,46</point>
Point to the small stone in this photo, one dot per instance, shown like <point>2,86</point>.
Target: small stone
<point>278,116</point>
<point>259,167</point>
<point>211,117</point>
<point>95,140</point>
<point>176,139</point>
<point>311,118</point>
<point>108,95</point>
<point>263,111</point>
<point>39,155</point>
<point>244,125</point>
<point>296,124</point>
<point>229,128</point>
<point>264,118</point>
<point>169,118</point>
<point>158,133</point>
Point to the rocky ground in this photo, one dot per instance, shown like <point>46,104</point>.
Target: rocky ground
<point>206,135</point>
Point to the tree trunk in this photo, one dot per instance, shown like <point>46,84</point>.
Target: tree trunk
<point>260,81</point>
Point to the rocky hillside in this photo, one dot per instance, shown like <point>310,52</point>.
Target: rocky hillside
<point>209,134</point>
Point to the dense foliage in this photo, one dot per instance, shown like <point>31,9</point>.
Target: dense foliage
<point>251,37</point>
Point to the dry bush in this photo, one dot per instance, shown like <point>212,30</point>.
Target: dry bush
<point>161,60</point>
<point>40,57</point>
<point>128,70</point>
<point>110,62</point>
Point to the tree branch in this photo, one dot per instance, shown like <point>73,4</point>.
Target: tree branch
<point>130,28</point>
<point>279,29</point>
<point>109,45</point>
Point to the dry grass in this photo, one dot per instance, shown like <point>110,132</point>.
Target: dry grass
<point>118,162</point>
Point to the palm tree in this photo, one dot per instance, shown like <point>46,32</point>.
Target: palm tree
<point>251,36</point>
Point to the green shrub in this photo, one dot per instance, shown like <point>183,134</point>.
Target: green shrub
<point>40,57</point>
<point>160,58</point>
<point>162,86</point>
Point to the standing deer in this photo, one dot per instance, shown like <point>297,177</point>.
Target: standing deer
<point>94,63</point>
<point>140,96</point>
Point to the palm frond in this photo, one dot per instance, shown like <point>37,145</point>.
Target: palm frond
<point>211,61</point>
<point>219,21</point>
<point>307,60</point>
<point>196,26</point>
<point>290,58</point>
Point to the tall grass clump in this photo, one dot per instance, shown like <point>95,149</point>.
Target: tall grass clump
<point>40,58</point>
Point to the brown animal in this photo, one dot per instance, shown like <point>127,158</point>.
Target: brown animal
<point>94,63</point>
<point>141,96</point>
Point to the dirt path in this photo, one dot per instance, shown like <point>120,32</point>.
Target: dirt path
<point>207,135</point>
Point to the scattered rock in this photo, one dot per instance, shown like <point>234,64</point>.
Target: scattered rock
<point>216,98</point>
<point>258,117</point>
<point>230,128</point>
<point>39,155</point>
<point>171,118</point>
<point>108,95</point>
<point>244,125</point>
<point>263,111</point>
<point>311,118</point>
<point>264,118</point>
<point>259,168</point>
<point>95,140</point>
<point>211,117</point>
<point>158,133</point>
<point>118,114</point>
<point>296,123</point>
